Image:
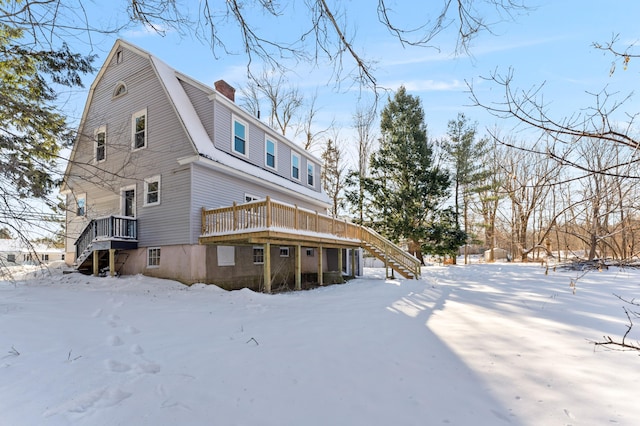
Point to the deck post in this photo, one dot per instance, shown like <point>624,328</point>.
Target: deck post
<point>204,220</point>
<point>267,267</point>
<point>353,262</point>
<point>96,266</point>
<point>112,262</point>
<point>295,217</point>
<point>320,265</point>
<point>298,267</point>
<point>340,261</point>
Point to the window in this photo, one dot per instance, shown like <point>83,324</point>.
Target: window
<point>100,144</point>
<point>11,258</point>
<point>119,57</point>
<point>258,255</point>
<point>270,149</point>
<point>152,191</point>
<point>295,166</point>
<point>139,129</point>
<point>120,89</point>
<point>45,257</point>
<point>153,257</point>
<point>81,204</point>
<point>249,198</point>
<point>284,251</point>
<point>239,137</point>
<point>310,252</point>
<point>310,174</point>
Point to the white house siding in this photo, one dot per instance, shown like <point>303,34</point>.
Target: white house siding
<point>166,141</point>
<point>202,104</point>
<point>168,222</point>
<point>213,189</point>
<point>256,146</point>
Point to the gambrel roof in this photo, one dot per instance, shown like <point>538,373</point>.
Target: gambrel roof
<point>204,149</point>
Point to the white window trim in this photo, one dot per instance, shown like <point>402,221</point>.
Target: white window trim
<point>312,167</point>
<point>118,86</point>
<point>284,251</point>
<point>233,136</point>
<point>133,129</point>
<point>254,257</point>
<point>101,129</point>
<point>249,198</point>
<point>147,181</point>
<point>159,257</point>
<point>267,139</point>
<point>79,197</point>
<point>294,155</point>
<point>310,252</point>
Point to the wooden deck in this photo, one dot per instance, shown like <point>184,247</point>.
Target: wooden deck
<point>272,222</point>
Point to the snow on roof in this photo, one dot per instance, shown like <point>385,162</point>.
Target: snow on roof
<point>19,246</point>
<point>203,143</point>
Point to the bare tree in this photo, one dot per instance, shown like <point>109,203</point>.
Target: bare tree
<point>363,120</point>
<point>283,100</point>
<point>333,174</point>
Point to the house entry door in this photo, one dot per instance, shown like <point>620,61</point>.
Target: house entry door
<point>129,202</point>
<point>129,210</point>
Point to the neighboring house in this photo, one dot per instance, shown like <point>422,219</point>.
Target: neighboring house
<point>16,252</point>
<point>168,177</point>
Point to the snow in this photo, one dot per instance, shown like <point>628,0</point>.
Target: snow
<point>482,344</point>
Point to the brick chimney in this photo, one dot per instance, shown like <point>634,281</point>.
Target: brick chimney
<point>224,88</point>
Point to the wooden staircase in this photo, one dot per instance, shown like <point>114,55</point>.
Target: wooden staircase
<point>393,256</point>
<point>270,220</point>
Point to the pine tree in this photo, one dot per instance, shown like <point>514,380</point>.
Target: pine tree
<point>407,189</point>
<point>464,154</point>
<point>32,129</point>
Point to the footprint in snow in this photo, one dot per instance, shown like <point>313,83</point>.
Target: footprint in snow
<point>117,366</point>
<point>114,341</point>
<point>137,349</point>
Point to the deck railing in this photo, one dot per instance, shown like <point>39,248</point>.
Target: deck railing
<point>268,214</point>
<point>110,227</point>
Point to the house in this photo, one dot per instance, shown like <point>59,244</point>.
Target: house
<point>169,177</point>
<point>15,252</point>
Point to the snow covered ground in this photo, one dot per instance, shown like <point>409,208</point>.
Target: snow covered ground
<point>467,345</point>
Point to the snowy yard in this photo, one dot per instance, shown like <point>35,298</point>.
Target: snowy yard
<point>478,344</point>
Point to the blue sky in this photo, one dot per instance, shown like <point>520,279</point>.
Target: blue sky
<point>551,44</point>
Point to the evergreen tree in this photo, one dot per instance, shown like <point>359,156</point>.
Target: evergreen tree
<point>464,154</point>
<point>32,129</point>
<point>407,189</point>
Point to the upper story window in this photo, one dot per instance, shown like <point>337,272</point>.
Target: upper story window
<point>100,144</point>
<point>295,166</point>
<point>81,204</point>
<point>310,171</point>
<point>139,121</point>
<point>120,89</point>
<point>270,150</point>
<point>152,191</point>
<point>119,57</point>
<point>239,142</point>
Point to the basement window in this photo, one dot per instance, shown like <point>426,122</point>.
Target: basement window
<point>258,255</point>
<point>153,257</point>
